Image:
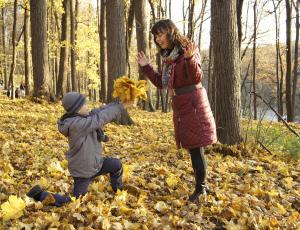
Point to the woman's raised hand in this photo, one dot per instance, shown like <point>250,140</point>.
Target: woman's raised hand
<point>190,50</point>
<point>142,59</point>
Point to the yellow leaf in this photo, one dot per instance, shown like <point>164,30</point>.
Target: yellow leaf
<point>13,208</point>
<point>127,90</point>
<point>161,206</point>
<point>44,182</point>
<point>55,167</point>
<point>172,181</point>
<point>281,209</point>
<point>288,182</point>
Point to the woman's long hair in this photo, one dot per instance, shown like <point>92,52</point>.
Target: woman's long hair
<point>173,34</point>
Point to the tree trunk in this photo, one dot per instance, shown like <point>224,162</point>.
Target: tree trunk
<point>239,20</point>
<point>226,70</point>
<point>76,29</point>
<point>191,24</point>
<point>296,61</point>
<point>27,52</point>
<point>202,13</point>
<point>103,53</point>
<point>73,45</point>
<point>184,17</point>
<point>170,9</point>
<point>277,59</point>
<point>4,48</point>
<point>142,40</point>
<point>38,19</point>
<point>254,60</point>
<point>63,61</point>
<point>288,79</point>
<point>129,31</point>
<point>116,47</point>
<point>13,63</point>
<point>211,80</point>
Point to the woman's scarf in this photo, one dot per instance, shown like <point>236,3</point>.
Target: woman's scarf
<point>168,67</point>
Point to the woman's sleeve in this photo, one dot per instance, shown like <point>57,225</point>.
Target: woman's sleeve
<point>154,76</point>
<point>193,66</point>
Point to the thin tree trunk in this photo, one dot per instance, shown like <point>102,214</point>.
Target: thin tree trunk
<point>170,9</point>
<point>239,20</point>
<point>73,45</point>
<point>4,48</point>
<point>288,78</point>
<point>27,52</point>
<point>296,61</point>
<point>129,31</point>
<point>277,58</point>
<point>183,16</point>
<point>13,64</point>
<point>63,61</point>
<point>76,29</point>
<point>102,53</point>
<point>254,59</point>
<point>191,24</point>
<point>202,13</point>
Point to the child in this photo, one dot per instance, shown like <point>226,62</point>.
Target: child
<point>85,161</point>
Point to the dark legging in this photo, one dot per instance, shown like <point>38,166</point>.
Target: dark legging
<point>199,165</point>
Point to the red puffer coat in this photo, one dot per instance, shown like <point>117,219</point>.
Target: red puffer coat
<point>193,119</point>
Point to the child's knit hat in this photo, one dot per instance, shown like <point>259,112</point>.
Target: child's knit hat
<point>72,102</point>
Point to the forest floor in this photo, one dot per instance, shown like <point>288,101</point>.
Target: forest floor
<point>251,188</point>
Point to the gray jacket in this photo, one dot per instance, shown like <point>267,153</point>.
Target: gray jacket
<point>85,151</point>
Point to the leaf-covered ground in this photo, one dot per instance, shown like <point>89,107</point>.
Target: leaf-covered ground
<point>251,189</point>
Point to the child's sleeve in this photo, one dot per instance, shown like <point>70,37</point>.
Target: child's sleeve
<point>99,117</point>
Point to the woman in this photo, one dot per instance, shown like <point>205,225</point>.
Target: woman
<point>182,74</point>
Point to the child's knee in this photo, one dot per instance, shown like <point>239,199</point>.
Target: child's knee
<point>118,163</point>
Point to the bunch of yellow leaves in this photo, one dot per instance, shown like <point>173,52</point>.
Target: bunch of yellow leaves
<point>13,208</point>
<point>128,90</point>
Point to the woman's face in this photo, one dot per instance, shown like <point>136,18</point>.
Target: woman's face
<point>162,40</point>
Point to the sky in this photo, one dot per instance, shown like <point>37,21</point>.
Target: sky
<point>266,28</point>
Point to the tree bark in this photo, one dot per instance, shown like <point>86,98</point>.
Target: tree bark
<point>129,31</point>
<point>38,19</point>
<point>63,61</point>
<point>288,79</point>
<point>13,63</point>
<point>239,20</point>
<point>254,59</point>
<point>27,52</point>
<point>296,61</point>
<point>142,40</point>
<point>191,24</point>
<point>76,29</point>
<point>73,46</point>
<point>170,9</point>
<point>4,48</point>
<point>202,13</point>
<point>116,47</point>
<point>103,53</point>
<point>226,63</point>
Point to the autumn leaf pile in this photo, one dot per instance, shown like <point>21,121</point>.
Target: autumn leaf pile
<point>250,188</point>
<point>128,90</point>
